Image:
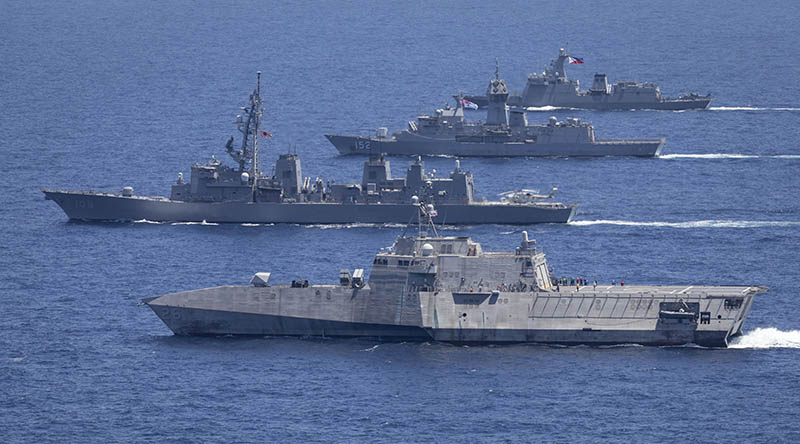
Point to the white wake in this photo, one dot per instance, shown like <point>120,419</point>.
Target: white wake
<point>750,108</point>
<point>691,224</point>
<point>728,156</point>
<point>762,338</point>
<point>210,224</point>
<point>352,225</point>
<point>544,108</point>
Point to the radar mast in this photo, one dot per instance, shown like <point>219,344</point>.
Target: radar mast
<point>249,126</point>
<point>425,215</point>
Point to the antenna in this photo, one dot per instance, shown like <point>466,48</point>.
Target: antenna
<point>257,104</point>
<point>496,69</point>
<point>426,212</point>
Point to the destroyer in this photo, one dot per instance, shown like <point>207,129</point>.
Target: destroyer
<point>449,289</point>
<point>219,193</point>
<point>447,133</point>
<point>552,88</point>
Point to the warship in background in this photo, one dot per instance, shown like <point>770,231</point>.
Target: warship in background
<point>219,193</point>
<point>449,289</point>
<point>447,133</point>
<point>552,88</point>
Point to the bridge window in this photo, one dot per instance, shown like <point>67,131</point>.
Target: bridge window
<point>733,303</point>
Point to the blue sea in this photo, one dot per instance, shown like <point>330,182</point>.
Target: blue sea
<point>103,94</point>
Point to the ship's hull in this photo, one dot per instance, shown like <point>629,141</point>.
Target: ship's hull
<point>564,318</point>
<point>112,207</point>
<point>185,321</point>
<point>194,322</point>
<point>437,147</point>
<point>601,102</point>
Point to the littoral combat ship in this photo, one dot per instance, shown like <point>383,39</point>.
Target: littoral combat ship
<point>552,88</point>
<point>449,289</point>
<point>447,133</point>
<point>219,193</point>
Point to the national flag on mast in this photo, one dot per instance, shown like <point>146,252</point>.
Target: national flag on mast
<point>469,105</point>
<point>266,134</point>
<point>575,60</point>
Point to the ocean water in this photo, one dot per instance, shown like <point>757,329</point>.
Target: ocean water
<point>101,94</point>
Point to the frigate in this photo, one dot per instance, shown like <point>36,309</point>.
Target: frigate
<point>506,133</point>
<point>553,88</point>
<point>432,287</point>
<point>244,194</point>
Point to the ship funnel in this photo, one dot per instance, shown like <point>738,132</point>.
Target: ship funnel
<point>518,118</point>
<point>600,84</point>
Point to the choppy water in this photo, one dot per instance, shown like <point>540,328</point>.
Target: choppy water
<point>104,94</point>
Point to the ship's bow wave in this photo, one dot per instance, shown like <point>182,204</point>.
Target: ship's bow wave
<point>764,338</point>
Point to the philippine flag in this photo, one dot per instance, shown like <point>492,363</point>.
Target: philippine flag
<point>575,60</point>
<point>468,105</point>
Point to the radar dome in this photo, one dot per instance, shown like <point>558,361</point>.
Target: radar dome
<point>427,249</point>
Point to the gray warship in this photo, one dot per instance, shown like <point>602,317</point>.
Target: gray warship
<point>432,287</point>
<point>243,194</point>
<point>505,134</point>
<point>553,88</point>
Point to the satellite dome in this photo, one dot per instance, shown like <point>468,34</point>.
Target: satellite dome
<point>427,249</point>
<point>245,177</point>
